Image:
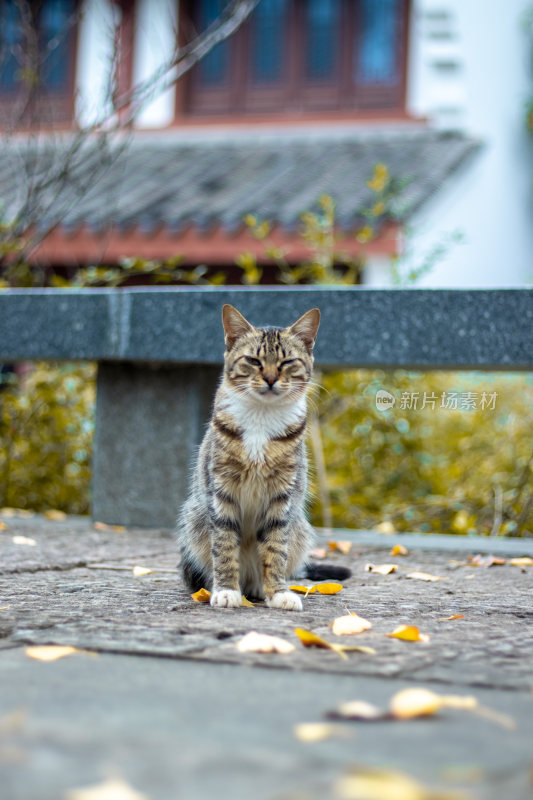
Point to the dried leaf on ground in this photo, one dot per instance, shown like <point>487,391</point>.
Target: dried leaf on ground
<point>52,652</point>
<point>453,616</point>
<point>201,596</point>
<point>204,596</point>
<point>419,702</point>
<point>4,608</point>
<point>3,526</point>
<point>309,639</point>
<point>114,789</point>
<point>319,731</point>
<point>424,576</point>
<point>318,552</point>
<point>255,642</point>
<point>349,625</point>
<point>55,515</point>
<point>323,588</point>
<point>376,784</point>
<point>409,633</point>
<point>343,546</point>
<point>24,540</point>
<point>139,571</point>
<point>381,569</point>
<point>521,562</point>
<point>399,550</point>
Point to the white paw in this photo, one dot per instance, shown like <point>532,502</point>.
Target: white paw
<point>286,600</point>
<point>226,598</point>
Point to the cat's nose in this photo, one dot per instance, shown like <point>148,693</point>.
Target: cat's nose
<point>270,378</point>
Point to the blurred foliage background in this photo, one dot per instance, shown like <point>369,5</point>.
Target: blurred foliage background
<point>429,469</point>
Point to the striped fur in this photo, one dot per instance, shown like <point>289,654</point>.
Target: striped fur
<point>243,527</point>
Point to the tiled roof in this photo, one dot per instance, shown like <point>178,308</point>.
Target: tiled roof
<point>178,181</point>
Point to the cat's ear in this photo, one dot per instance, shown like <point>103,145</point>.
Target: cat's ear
<point>234,325</point>
<point>306,327</point>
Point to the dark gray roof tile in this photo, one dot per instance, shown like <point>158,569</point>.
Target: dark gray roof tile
<point>151,182</point>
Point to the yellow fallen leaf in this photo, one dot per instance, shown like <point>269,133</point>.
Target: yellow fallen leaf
<point>3,526</point>
<point>350,625</point>
<point>453,616</point>
<point>328,588</point>
<point>375,784</point>
<point>415,702</point>
<point>419,702</point>
<point>309,639</point>
<point>521,562</point>
<point>318,552</point>
<point>255,642</point>
<point>204,595</point>
<point>114,789</point>
<point>302,589</point>
<point>409,633</point>
<point>4,608</point>
<point>342,546</point>
<point>138,571</point>
<point>399,550</point>
<point>201,596</point>
<point>318,731</point>
<point>55,515</point>
<point>381,569</point>
<point>424,576</point>
<point>323,588</point>
<point>24,540</point>
<point>50,652</point>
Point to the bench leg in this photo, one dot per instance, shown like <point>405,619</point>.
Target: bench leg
<point>149,423</point>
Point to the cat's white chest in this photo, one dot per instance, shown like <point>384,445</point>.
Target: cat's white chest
<point>261,422</point>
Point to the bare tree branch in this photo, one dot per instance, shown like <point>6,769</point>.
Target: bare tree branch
<point>49,175</point>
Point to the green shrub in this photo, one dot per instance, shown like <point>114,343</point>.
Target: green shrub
<point>428,469</point>
<point>46,430</point>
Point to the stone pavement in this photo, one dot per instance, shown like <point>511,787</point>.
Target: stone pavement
<point>200,721</point>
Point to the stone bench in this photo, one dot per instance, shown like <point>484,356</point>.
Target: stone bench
<point>159,353</point>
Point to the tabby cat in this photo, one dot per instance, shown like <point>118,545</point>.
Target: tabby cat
<point>243,527</point>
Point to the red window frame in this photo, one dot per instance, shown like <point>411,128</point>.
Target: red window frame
<point>294,95</point>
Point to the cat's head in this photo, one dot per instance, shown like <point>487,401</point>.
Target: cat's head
<point>269,363</point>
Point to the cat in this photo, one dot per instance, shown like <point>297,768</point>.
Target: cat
<point>243,527</point>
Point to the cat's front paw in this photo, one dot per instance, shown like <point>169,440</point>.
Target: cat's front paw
<point>226,598</point>
<point>286,600</point>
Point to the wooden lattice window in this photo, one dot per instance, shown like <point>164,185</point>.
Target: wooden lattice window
<point>301,55</point>
<point>37,61</point>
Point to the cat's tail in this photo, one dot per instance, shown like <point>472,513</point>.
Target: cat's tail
<point>321,572</point>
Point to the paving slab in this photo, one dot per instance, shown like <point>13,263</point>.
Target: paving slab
<point>171,705</point>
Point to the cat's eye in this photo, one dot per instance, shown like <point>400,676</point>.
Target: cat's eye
<point>253,361</point>
<point>287,362</point>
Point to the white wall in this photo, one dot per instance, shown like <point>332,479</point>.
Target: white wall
<point>470,65</point>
